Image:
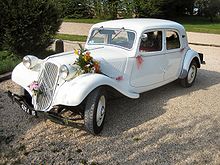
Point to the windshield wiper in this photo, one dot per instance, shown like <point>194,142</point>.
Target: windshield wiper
<point>120,30</point>
<point>99,29</point>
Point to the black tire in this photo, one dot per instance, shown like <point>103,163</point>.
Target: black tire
<point>28,98</point>
<point>26,95</point>
<point>187,81</point>
<point>92,124</point>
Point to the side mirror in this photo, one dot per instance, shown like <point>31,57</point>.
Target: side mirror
<point>144,37</point>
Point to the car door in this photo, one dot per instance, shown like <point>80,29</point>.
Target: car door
<point>174,54</point>
<point>149,67</point>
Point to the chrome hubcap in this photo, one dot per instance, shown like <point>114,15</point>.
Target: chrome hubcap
<point>191,74</point>
<point>100,111</point>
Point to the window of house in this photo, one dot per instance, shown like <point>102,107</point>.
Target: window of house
<point>172,40</point>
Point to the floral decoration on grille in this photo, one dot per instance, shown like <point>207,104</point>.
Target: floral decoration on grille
<point>35,88</point>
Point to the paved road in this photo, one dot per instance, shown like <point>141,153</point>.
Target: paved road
<point>83,29</point>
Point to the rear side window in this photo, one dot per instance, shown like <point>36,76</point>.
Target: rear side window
<point>152,42</point>
<point>172,40</point>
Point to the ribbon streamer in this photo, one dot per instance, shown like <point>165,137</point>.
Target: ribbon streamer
<point>139,60</point>
<point>119,78</point>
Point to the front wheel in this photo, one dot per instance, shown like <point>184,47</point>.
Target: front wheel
<point>95,111</point>
<point>191,76</point>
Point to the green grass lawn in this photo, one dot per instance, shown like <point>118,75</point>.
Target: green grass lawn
<point>212,28</point>
<point>192,24</point>
<point>7,61</point>
<point>70,37</point>
<point>199,24</point>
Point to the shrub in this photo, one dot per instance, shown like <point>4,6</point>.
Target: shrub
<point>29,25</point>
<point>7,61</point>
<point>1,25</point>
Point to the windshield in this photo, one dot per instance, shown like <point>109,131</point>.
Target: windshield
<point>119,37</point>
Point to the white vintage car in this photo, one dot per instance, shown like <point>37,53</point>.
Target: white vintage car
<point>135,56</point>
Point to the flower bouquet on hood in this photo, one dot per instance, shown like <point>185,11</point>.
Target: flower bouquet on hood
<point>86,62</point>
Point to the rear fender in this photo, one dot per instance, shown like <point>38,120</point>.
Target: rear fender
<point>72,93</point>
<point>189,57</point>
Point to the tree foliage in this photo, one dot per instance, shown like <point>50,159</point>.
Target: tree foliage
<point>208,8</point>
<point>29,25</point>
<point>141,8</point>
<point>150,8</point>
<point>77,9</point>
<point>2,30</point>
<point>176,8</point>
<point>105,9</point>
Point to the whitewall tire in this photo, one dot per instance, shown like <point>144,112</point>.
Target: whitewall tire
<point>189,80</point>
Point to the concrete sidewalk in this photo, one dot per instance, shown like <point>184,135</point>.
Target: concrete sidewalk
<point>75,28</point>
<point>204,38</point>
<point>196,38</point>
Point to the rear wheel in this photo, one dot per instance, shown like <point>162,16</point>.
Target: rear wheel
<point>189,80</point>
<point>95,109</point>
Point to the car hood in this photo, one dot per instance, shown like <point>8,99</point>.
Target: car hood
<point>62,58</point>
<point>112,60</point>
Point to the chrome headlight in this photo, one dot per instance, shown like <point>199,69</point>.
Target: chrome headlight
<point>30,61</point>
<point>64,71</point>
<point>69,71</point>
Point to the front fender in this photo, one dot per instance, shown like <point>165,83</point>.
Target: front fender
<point>23,76</point>
<point>72,93</point>
<point>190,55</point>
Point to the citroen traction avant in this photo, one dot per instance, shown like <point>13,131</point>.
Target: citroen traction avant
<point>135,56</point>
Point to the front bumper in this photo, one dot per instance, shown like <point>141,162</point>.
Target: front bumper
<point>52,115</point>
<point>22,102</point>
<point>201,58</point>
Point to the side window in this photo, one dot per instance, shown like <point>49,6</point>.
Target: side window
<point>152,41</point>
<point>172,40</point>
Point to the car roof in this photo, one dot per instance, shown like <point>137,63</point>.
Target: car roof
<point>141,24</point>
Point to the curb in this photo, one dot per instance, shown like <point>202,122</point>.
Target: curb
<point>5,76</point>
<point>200,44</point>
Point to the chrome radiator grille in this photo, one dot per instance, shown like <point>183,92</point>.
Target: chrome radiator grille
<point>47,80</point>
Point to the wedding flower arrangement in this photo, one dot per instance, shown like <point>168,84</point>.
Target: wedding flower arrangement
<point>86,62</point>
<point>35,88</point>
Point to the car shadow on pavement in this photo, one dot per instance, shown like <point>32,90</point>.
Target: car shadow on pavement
<point>124,113</point>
